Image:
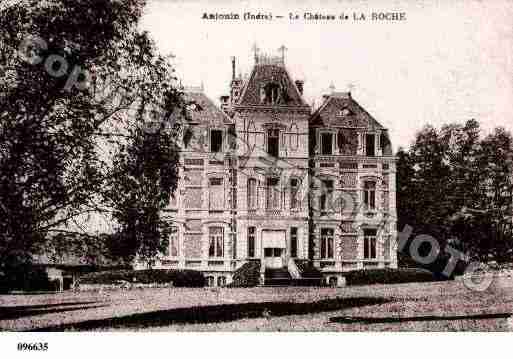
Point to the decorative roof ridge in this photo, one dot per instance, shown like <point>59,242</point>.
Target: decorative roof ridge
<point>340,94</point>
<point>193,89</point>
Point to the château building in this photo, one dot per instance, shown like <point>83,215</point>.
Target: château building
<point>265,181</point>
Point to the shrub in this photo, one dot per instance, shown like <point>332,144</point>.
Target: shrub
<point>179,278</point>
<point>24,277</point>
<point>390,276</point>
<point>248,275</point>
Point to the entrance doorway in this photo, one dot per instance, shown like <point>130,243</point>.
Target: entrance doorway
<point>273,257</point>
<point>274,248</point>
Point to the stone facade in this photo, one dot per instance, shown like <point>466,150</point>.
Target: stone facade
<point>265,178</point>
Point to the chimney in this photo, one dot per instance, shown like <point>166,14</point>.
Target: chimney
<point>233,67</point>
<point>299,85</point>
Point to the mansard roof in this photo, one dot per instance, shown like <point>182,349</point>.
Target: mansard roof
<point>202,109</point>
<point>341,110</point>
<point>264,73</point>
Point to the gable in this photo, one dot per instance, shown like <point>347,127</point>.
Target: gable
<point>343,111</point>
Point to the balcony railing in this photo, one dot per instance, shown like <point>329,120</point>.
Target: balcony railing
<point>273,212</point>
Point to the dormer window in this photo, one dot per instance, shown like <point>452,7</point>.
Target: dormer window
<point>344,112</point>
<point>273,93</point>
<point>326,143</point>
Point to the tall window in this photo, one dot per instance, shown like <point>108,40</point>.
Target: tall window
<point>273,194</point>
<point>273,142</point>
<point>326,243</point>
<point>326,196</point>
<point>294,137</point>
<point>173,242</point>
<point>326,143</point>
<point>294,193</point>
<point>232,137</point>
<point>251,242</point>
<point>293,242</point>
<point>216,194</point>
<point>252,132</point>
<point>216,140</point>
<point>369,194</point>
<point>370,145</point>
<point>252,193</point>
<point>216,242</point>
<point>369,244</point>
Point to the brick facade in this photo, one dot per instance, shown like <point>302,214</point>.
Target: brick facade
<point>291,184</point>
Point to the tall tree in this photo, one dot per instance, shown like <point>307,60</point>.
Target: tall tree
<point>146,177</point>
<point>74,76</point>
<point>456,186</point>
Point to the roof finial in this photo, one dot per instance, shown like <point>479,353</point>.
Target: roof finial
<point>282,49</point>
<point>255,50</point>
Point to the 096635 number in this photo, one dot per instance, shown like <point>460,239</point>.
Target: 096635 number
<point>32,346</point>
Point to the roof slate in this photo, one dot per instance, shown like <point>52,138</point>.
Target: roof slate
<point>206,111</point>
<point>264,73</point>
<point>329,113</point>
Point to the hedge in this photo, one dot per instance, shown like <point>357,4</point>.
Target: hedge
<point>390,276</point>
<point>179,278</point>
<point>26,278</point>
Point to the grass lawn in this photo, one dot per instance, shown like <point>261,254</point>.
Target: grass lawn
<point>437,306</point>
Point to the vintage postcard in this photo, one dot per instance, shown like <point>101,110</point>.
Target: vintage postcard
<point>244,166</point>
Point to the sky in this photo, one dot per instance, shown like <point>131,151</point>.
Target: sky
<point>449,61</point>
